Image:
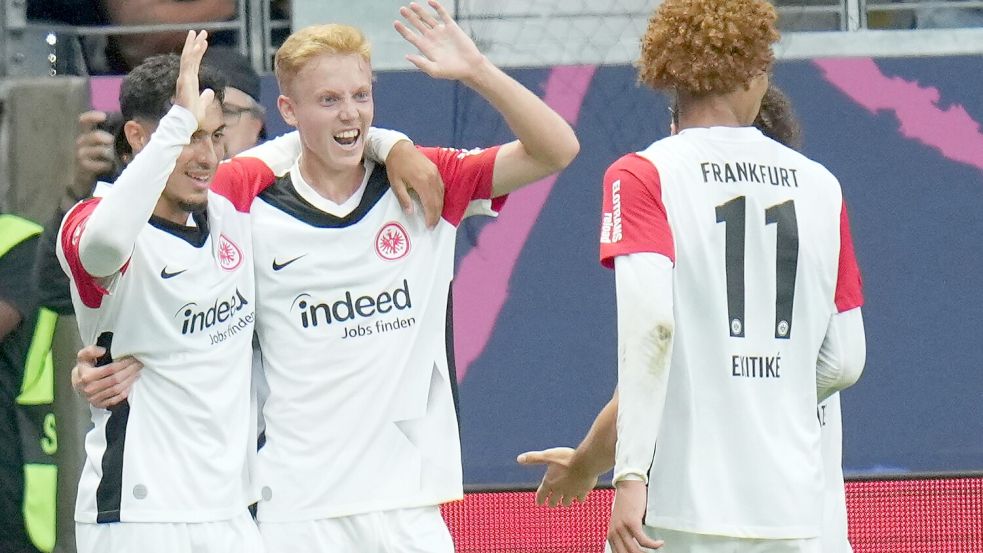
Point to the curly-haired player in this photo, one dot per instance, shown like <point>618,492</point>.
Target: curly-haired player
<point>572,473</point>
<point>738,302</point>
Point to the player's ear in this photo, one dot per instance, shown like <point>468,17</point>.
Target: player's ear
<point>286,107</point>
<point>136,135</point>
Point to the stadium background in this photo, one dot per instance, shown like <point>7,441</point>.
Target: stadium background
<point>535,316</point>
<point>534,312</point>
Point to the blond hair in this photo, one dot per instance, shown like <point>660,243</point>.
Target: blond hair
<point>707,46</point>
<point>310,42</point>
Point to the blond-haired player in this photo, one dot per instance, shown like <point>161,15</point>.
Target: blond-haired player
<point>353,296</point>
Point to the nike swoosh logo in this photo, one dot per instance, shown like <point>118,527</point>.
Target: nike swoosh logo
<point>165,274</point>
<point>278,266</point>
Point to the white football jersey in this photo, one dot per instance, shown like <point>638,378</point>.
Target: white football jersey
<point>834,536</point>
<point>184,305</point>
<point>763,259</point>
<point>354,327</point>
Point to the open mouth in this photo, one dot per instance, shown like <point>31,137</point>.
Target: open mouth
<point>348,138</point>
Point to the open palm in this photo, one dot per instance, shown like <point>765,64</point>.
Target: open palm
<point>447,51</point>
<point>186,93</point>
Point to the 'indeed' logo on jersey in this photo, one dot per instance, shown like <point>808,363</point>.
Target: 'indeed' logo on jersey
<point>313,314</point>
<point>222,310</point>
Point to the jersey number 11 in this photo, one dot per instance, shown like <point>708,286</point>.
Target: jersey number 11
<point>733,214</point>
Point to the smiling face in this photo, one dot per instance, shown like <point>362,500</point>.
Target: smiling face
<point>187,186</point>
<point>329,100</point>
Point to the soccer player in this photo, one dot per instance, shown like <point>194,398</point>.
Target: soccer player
<point>362,441</point>
<point>738,297</point>
<point>572,474</point>
<point>161,269</point>
<point>155,264</point>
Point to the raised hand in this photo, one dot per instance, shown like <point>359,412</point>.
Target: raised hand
<point>186,94</point>
<point>447,51</point>
<point>563,482</point>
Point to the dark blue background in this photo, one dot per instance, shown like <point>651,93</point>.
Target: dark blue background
<point>550,364</point>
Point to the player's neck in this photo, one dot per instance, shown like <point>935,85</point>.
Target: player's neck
<point>729,110</point>
<point>171,211</point>
<point>331,182</point>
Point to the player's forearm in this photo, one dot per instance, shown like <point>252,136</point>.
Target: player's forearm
<point>842,355</point>
<point>543,134</point>
<point>646,328</point>
<point>112,229</point>
<point>595,455</point>
<point>379,142</point>
<point>279,154</point>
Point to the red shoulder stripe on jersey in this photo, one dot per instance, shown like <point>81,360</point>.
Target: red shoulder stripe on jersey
<point>241,179</point>
<point>90,291</point>
<point>634,219</point>
<point>467,176</point>
<point>849,284</point>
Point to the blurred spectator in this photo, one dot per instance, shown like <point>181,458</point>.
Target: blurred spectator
<point>98,156</point>
<point>948,18</point>
<point>121,53</point>
<point>18,313</point>
<point>244,115</point>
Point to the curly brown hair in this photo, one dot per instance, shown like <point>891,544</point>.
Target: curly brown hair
<point>777,120</point>
<point>702,47</point>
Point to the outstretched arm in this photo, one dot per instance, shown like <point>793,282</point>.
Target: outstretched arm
<point>572,473</point>
<point>546,144</point>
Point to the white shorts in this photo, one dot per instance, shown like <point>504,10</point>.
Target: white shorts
<point>686,542</point>
<point>419,530</point>
<point>237,535</point>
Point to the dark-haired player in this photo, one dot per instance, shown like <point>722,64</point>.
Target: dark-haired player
<point>159,264</point>
<point>161,270</point>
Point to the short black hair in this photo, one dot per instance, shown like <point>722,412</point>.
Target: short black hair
<point>147,91</point>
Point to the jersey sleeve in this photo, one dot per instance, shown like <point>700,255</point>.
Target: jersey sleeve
<point>849,285</point>
<point>467,178</point>
<point>241,179</point>
<point>633,218</point>
<point>89,288</point>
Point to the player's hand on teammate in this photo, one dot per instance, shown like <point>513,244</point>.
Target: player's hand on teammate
<point>186,93</point>
<point>104,386</point>
<point>625,533</point>
<point>447,51</point>
<point>563,482</point>
<point>94,154</point>
<point>408,169</point>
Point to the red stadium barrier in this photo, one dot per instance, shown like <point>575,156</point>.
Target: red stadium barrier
<point>943,515</point>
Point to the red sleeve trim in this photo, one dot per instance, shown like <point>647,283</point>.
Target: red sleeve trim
<point>849,284</point>
<point>241,179</point>
<point>89,289</point>
<point>468,176</point>
<point>633,218</point>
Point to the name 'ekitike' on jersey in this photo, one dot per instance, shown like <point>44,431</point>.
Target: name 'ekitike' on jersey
<point>742,171</point>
